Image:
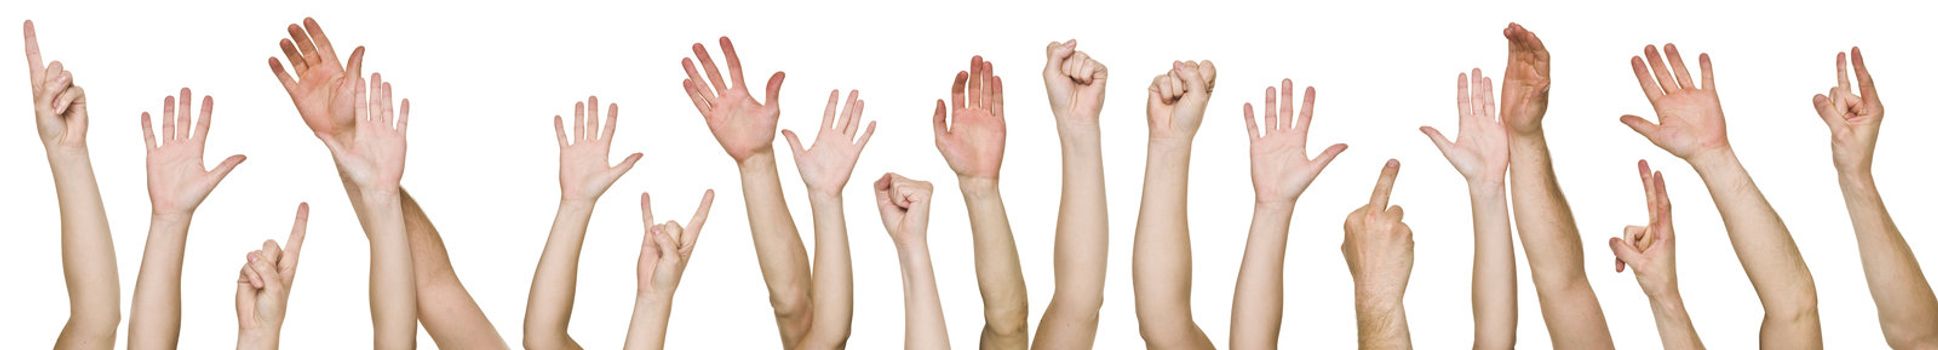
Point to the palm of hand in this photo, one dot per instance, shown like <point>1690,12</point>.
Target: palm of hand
<point>583,171</point>
<point>973,145</point>
<point>826,166</point>
<point>1280,168</point>
<point>323,98</point>
<point>742,126</point>
<point>1524,93</point>
<point>1691,123</point>
<point>177,183</point>
<point>1480,152</point>
<point>374,160</point>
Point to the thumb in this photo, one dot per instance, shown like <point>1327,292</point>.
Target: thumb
<point>222,170</point>
<point>1641,126</point>
<point>794,143</point>
<point>1439,141</point>
<point>1623,252</point>
<point>626,165</point>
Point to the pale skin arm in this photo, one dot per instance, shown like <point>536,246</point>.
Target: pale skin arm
<point>1651,251</point>
<point>262,288</point>
<point>904,205</point>
<point>1480,154</point>
<point>1541,213</point>
<point>825,168</point>
<point>1906,308</point>
<point>1379,253</point>
<point>583,177</point>
<point>972,143</point>
<point>375,162</point>
<point>745,129</point>
<point>1280,173</point>
<point>87,249</point>
<point>1691,127</point>
<point>1161,253</point>
<point>177,184</point>
<point>1075,86</point>
<point>663,255</point>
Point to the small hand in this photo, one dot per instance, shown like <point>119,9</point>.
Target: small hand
<point>1650,249</point>
<point>374,161</point>
<point>667,247</point>
<point>176,181</point>
<point>904,204</point>
<point>743,126</point>
<point>262,290</point>
<point>1280,171</point>
<point>1480,152</point>
<point>1524,94</point>
<point>973,142</point>
<point>60,107</point>
<point>583,172</point>
<point>1378,246</point>
<point>1691,117</point>
<point>1075,83</point>
<point>826,166</point>
<point>1177,101</point>
<point>322,86</point>
<point>1854,120</point>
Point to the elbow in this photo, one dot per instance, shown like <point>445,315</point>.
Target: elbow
<point>99,328</point>
<point>1800,312</point>
<point>1007,321</point>
<point>1911,335</point>
<point>792,307</point>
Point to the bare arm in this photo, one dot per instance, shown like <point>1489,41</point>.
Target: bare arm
<point>1480,153</point>
<point>825,169</point>
<point>262,288</point>
<point>972,143</point>
<point>1075,83</point>
<point>663,255</point>
<point>375,163</point>
<point>904,205</point>
<point>1651,251</point>
<point>1161,253</point>
<point>583,177</point>
<point>177,184</point>
<point>1379,253</point>
<point>1691,127</point>
<point>87,249</point>
<point>1280,173</point>
<point>1541,213</point>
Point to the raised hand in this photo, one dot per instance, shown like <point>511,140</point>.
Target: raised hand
<point>177,183</point>
<point>262,289</point>
<point>1853,119</point>
<point>1480,152</point>
<point>1651,249</point>
<point>1280,170</point>
<point>667,247</point>
<point>904,204</point>
<point>743,126</point>
<point>827,165</point>
<point>1075,83</point>
<point>60,106</point>
<point>374,159</point>
<point>1524,95</point>
<point>323,86</point>
<point>972,143</point>
<point>1177,101</point>
<point>583,172</point>
<point>1690,118</point>
<point>1379,253</point>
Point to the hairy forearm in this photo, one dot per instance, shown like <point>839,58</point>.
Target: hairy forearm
<point>549,309</point>
<point>999,272</point>
<point>87,252</point>
<point>1763,245</point>
<point>1672,322</point>
<point>1553,247</point>
<point>445,308</point>
<point>393,300</point>
<point>156,320</point>
<point>1082,243</point>
<point>1258,305</point>
<point>834,283</point>
<point>1161,251</point>
<point>1905,306</point>
<point>1382,323</point>
<point>651,313</point>
<point>924,326</point>
<point>1493,294</point>
<point>777,244</point>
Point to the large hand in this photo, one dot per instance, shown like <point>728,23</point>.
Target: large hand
<point>743,126</point>
<point>1177,101</point>
<point>1854,120</point>
<point>1650,249</point>
<point>374,160</point>
<point>583,172</point>
<point>262,290</point>
<point>1378,246</point>
<point>1524,95</point>
<point>973,142</point>
<point>176,181</point>
<point>1075,83</point>
<point>60,107</point>
<point>904,204</point>
<point>826,166</point>
<point>1691,117</point>
<point>1480,152</point>
<point>1280,171</point>
<point>667,247</point>
<point>322,86</point>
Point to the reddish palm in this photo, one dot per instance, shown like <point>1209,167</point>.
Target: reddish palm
<point>972,143</point>
<point>743,127</point>
<point>323,86</point>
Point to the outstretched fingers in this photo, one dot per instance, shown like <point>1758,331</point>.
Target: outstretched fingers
<point>34,67</point>
<point>692,232</point>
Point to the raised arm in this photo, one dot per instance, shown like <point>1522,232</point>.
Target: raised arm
<point>1691,127</point>
<point>1905,306</point>
<point>1075,85</point>
<point>972,143</point>
<point>1480,154</point>
<point>375,163</point>
<point>1280,173</point>
<point>663,254</point>
<point>1547,225</point>
<point>87,250</point>
<point>745,129</point>
<point>825,168</point>
<point>177,184</point>
<point>1379,253</point>
<point>262,288</point>
<point>584,175</point>
<point>904,204</point>
<point>1651,251</point>
<point>1161,253</point>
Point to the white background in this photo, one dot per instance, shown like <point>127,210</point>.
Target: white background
<point>486,80</point>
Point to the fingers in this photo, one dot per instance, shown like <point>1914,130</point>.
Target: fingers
<point>695,85</point>
<point>355,67</point>
<point>1486,99</point>
<point>828,114</point>
<point>1464,98</point>
<point>1864,82</point>
<point>53,80</point>
<point>297,232</point>
<point>1642,75</point>
<point>941,119</point>
<point>403,117</point>
<point>66,100</point>
<point>976,76</point>
<point>1305,108</point>
<point>578,122</point>
<point>1272,110</point>
<point>1661,70</point>
<point>995,93</point>
<point>303,44</point>
<point>295,58</point>
<point>1660,211</point>
<point>1708,74</point>
<point>713,72</point>
<point>646,208</point>
<point>1057,53</point>
<point>958,91</point>
<point>699,219</point>
<point>148,132</point>
<point>701,101</point>
<point>1195,79</point>
<point>851,114</point>
<point>323,48</point>
<point>1683,78</point>
<point>33,52</point>
<point>266,272</point>
<point>289,83</point>
<point>168,120</point>
<point>1623,251</point>
<point>1828,110</point>
<point>672,231</point>
<point>733,62</point>
<point>793,142</point>
<point>592,119</point>
<point>1325,157</point>
<point>667,247</point>
<point>201,133</point>
<point>612,121</point>
<point>182,117</point>
<point>1641,126</point>
<point>1843,74</point>
<point>558,126</point>
<point>1383,189</point>
<point>774,89</point>
<point>249,271</point>
<point>1251,126</point>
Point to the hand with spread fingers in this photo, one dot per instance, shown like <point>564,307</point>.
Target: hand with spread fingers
<point>743,126</point>
<point>323,86</point>
<point>1689,117</point>
<point>1651,252</point>
<point>827,165</point>
<point>970,132</point>
<point>374,159</point>
<point>583,171</point>
<point>1379,253</point>
<point>1480,151</point>
<point>1280,169</point>
<point>1178,98</point>
<point>262,288</point>
<point>177,183</point>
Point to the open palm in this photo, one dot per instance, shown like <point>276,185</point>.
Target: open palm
<point>828,164</point>
<point>972,143</point>
<point>1690,118</point>
<point>1480,151</point>
<point>583,171</point>
<point>1280,169</point>
<point>743,127</point>
<point>177,183</point>
<point>374,161</point>
<point>322,87</point>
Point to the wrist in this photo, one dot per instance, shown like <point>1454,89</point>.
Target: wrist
<point>376,195</point>
<point>257,339</point>
<point>158,220</point>
<point>1709,161</point>
<point>62,153</point>
<point>1860,177</point>
<point>1667,300</point>
<point>911,243</point>
<point>757,163</point>
<point>1274,204</point>
<point>977,187</point>
<point>1170,143</point>
<point>577,204</point>
<point>1480,187</point>
<point>823,195</point>
<point>1376,302</point>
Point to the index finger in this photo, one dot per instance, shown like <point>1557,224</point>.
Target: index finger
<point>293,247</point>
<point>692,230</point>
<point>1384,189</point>
<point>34,68</point>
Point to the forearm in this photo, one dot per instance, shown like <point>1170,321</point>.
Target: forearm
<point>1258,305</point>
<point>924,325</point>
<point>1382,323</point>
<point>833,275</point>
<point>444,307</point>
<point>777,244</point>
<point>999,272</point>
<point>1082,243</point>
<point>393,300</point>
<point>1494,292</point>
<point>87,251</point>
<point>651,313</point>
<point>1161,251</point>
<point>549,309</point>
<point>1906,308</point>
<point>1672,322</point>
<point>258,340</point>
<point>1763,245</point>
<point>1553,247</point>
<point>156,320</point>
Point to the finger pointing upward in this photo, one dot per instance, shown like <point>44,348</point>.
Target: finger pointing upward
<point>1384,188</point>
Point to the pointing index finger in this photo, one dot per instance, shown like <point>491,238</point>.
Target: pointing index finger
<point>34,68</point>
<point>1384,189</point>
<point>293,247</point>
